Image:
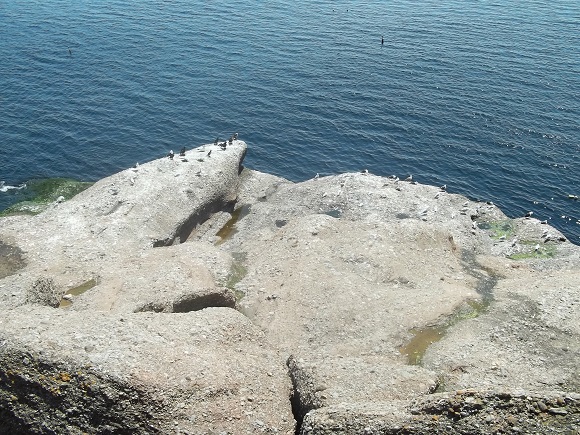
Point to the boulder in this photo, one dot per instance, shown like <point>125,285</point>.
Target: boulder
<point>156,204</point>
<point>458,412</point>
<point>83,372</point>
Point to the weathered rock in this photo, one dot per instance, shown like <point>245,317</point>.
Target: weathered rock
<point>178,278</point>
<point>327,382</point>
<point>198,373</point>
<point>10,259</point>
<point>458,412</point>
<point>355,264</point>
<point>529,338</point>
<point>43,292</point>
<point>376,292</point>
<point>157,204</point>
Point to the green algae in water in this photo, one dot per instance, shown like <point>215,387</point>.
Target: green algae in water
<point>498,229</point>
<point>237,272</point>
<point>41,193</point>
<point>77,291</point>
<point>424,337</point>
<point>546,251</point>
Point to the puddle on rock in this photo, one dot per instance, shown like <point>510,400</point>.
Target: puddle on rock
<point>229,229</point>
<point>76,291</point>
<point>11,260</point>
<point>281,222</point>
<point>424,337</point>
<point>336,213</point>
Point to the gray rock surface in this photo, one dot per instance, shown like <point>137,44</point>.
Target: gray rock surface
<point>459,412</point>
<point>79,372</point>
<point>156,204</point>
<point>364,305</point>
<point>363,275</point>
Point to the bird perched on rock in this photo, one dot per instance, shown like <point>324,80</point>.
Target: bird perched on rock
<point>209,154</point>
<point>223,146</point>
<point>409,178</point>
<point>317,176</point>
<point>365,171</point>
<point>529,214</point>
<point>182,152</point>
<point>444,187</point>
<point>171,154</point>
<point>235,136</point>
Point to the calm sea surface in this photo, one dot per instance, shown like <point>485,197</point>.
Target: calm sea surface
<point>483,96</point>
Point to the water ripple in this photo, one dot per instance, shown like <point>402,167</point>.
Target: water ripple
<point>484,97</point>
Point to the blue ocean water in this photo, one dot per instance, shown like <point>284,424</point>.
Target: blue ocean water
<point>483,96</point>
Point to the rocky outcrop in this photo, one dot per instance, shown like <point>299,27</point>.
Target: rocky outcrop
<point>365,275</point>
<point>119,218</point>
<point>363,304</point>
<point>142,348</point>
<point>459,412</point>
<point>86,372</point>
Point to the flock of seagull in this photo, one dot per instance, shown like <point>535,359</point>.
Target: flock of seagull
<point>442,188</point>
<point>223,145</point>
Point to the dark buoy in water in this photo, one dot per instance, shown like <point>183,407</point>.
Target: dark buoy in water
<point>69,52</point>
<point>382,40</point>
